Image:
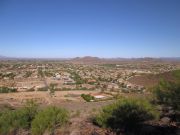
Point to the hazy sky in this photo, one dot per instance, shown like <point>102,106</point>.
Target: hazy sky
<point>103,28</point>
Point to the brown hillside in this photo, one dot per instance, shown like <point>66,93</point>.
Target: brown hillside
<point>152,80</point>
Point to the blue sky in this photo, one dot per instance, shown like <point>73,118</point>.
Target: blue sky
<point>103,28</point>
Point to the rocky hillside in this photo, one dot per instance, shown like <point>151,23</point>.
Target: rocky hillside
<point>152,80</point>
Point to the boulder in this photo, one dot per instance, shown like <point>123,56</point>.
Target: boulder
<point>165,120</point>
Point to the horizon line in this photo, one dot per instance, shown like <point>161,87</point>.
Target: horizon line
<point>14,57</point>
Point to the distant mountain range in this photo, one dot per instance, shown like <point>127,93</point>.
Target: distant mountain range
<point>2,57</point>
<point>90,59</point>
<point>21,58</point>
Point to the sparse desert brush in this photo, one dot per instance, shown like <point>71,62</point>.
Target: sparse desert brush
<point>126,114</point>
<point>7,90</point>
<point>176,73</point>
<point>48,120</point>
<point>13,120</point>
<point>43,89</point>
<point>168,93</point>
<point>87,97</point>
<point>29,117</point>
<point>76,114</point>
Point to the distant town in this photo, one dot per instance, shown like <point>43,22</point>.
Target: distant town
<point>81,74</point>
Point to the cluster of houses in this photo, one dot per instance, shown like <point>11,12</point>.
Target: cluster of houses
<point>93,76</point>
<point>65,77</point>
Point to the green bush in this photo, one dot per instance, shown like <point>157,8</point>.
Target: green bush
<point>168,93</point>
<point>77,78</point>
<point>31,108</point>
<point>9,75</point>
<point>28,74</point>
<point>176,73</point>
<point>52,88</point>
<point>28,117</point>
<point>48,73</point>
<point>87,97</point>
<point>12,121</point>
<point>7,90</point>
<point>125,114</point>
<point>48,119</point>
<point>40,73</point>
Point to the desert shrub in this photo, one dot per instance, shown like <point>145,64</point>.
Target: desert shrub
<point>1,74</point>
<point>168,93</point>
<point>48,73</point>
<point>31,108</point>
<point>125,114</point>
<point>52,88</point>
<point>65,89</point>
<point>9,122</point>
<point>28,74</point>
<point>7,90</point>
<point>40,72</point>
<point>176,73</point>
<point>87,97</point>
<point>9,75</point>
<point>30,90</point>
<point>48,119</point>
<point>76,77</point>
<point>5,107</point>
<point>76,114</point>
<point>43,89</point>
<point>12,121</point>
<point>81,88</point>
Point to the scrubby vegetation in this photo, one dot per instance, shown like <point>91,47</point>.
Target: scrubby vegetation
<point>13,120</point>
<point>28,74</point>
<point>43,89</point>
<point>48,119</point>
<point>126,114</point>
<point>29,117</point>
<point>168,93</point>
<point>9,75</point>
<point>7,90</point>
<point>40,72</point>
<point>52,88</point>
<point>76,78</point>
<point>87,97</point>
<point>176,73</point>
<point>48,73</point>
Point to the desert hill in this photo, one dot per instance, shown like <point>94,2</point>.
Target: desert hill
<point>152,80</point>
